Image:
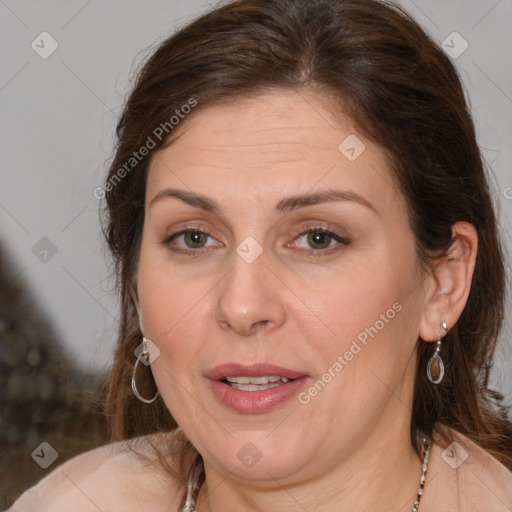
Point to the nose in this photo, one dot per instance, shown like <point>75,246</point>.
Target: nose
<point>250,298</point>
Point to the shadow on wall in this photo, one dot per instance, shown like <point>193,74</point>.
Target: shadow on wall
<point>49,409</point>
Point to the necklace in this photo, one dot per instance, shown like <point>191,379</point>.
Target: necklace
<point>426,445</point>
<point>194,476</point>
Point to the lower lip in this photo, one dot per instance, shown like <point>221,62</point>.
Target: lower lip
<point>256,401</point>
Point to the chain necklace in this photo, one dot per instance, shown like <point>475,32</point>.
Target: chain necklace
<point>195,473</point>
<point>426,446</point>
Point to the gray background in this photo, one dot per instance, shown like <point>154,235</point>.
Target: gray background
<point>57,132</point>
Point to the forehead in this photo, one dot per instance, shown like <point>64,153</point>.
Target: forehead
<point>282,121</point>
<point>267,145</point>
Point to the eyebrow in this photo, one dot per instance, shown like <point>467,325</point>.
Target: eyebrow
<point>284,205</point>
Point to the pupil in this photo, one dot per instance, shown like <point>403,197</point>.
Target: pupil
<point>317,237</point>
<point>194,237</point>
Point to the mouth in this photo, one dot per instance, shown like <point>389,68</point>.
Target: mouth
<point>259,374</point>
<point>255,388</point>
<point>255,383</point>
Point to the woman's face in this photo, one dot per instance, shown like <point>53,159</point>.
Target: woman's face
<point>275,244</point>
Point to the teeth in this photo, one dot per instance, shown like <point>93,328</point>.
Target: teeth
<point>256,383</point>
<point>257,380</point>
<point>253,387</point>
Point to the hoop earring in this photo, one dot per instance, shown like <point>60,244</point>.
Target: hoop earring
<point>145,354</point>
<point>436,360</point>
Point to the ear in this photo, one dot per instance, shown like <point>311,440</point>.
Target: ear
<point>135,300</point>
<point>450,283</point>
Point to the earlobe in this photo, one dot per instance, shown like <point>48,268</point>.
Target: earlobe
<point>135,300</point>
<point>451,282</point>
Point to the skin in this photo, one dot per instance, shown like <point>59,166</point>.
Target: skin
<point>349,447</point>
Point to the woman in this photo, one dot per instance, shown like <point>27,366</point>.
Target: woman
<point>310,274</point>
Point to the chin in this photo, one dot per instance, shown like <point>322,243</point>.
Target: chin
<point>256,455</point>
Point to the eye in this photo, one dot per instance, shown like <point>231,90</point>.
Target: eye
<point>194,241</point>
<point>321,239</point>
<point>193,238</point>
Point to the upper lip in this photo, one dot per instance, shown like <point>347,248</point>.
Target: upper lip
<point>254,370</point>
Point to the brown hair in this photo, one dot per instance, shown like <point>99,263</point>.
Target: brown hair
<point>379,67</point>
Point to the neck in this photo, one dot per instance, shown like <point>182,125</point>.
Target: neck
<point>382,472</point>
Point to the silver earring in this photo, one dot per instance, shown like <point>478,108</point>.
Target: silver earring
<point>143,354</point>
<point>436,363</point>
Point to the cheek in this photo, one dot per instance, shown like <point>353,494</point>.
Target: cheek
<point>355,298</point>
<point>167,299</point>
<point>365,326</point>
<point>170,309</point>
<point>372,313</point>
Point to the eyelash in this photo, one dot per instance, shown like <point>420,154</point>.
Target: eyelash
<point>303,231</point>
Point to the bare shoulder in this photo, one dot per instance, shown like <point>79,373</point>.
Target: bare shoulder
<point>110,478</point>
<point>464,476</point>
